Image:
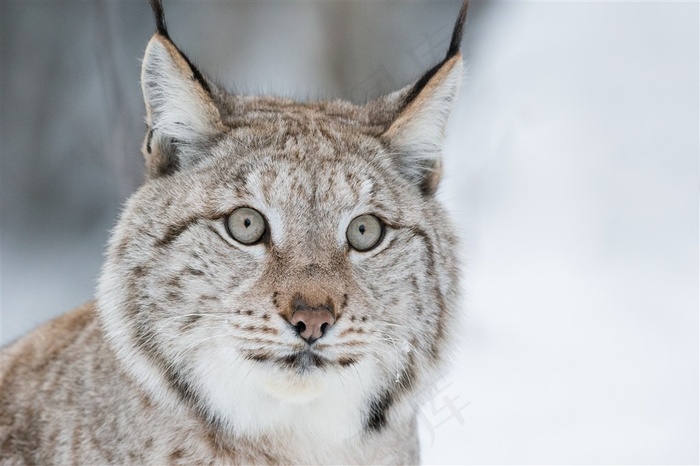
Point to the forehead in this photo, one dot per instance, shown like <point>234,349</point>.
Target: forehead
<point>318,187</point>
<point>304,163</point>
<point>307,189</point>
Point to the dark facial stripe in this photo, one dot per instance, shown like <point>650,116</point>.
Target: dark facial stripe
<point>380,406</point>
<point>174,231</point>
<point>417,231</point>
<point>189,322</point>
<point>439,332</point>
<point>146,342</point>
<point>378,412</point>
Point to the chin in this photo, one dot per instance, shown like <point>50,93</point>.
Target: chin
<point>281,395</point>
<point>292,386</point>
<point>299,377</point>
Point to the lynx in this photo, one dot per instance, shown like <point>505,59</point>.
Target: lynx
<point>281,289</point>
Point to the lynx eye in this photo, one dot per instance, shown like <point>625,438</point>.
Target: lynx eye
<point>365,232</point>
<point>246,225</point>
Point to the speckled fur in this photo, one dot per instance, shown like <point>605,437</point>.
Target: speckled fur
<point>186,356</point>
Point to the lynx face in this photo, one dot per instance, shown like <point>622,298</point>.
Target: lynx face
<point>286,267</point>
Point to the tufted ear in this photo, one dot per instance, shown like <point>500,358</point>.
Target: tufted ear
<point>180,112</point>
<point>416,134</point>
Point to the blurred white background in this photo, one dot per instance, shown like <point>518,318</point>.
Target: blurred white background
<point>572,171</point>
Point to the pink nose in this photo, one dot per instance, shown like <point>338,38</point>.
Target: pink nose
<point>312,323</point>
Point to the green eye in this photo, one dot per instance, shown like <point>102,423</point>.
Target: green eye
<point>365,232</point>
<point>246,225</point>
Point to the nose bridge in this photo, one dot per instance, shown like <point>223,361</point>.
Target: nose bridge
<point>304,282</point>
<point>310,260</point>
<point>314,286</point>
<point>309,229</point>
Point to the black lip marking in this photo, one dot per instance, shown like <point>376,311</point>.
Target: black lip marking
<point>303,361</point>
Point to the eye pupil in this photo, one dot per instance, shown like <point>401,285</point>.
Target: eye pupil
<point>365,232</point>
<point>245,225</point>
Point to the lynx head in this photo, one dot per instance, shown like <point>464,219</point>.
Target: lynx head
<point>285,264</point>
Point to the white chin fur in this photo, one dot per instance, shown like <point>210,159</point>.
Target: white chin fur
<point>292,388</point>
<point>255,400</point>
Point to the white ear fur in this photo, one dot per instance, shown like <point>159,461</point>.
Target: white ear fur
<point>178,107</point>
<point>418,132</point>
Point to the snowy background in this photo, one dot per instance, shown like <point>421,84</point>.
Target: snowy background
<point>572,171</point>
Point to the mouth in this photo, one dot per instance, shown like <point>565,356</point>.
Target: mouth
<point>301,361</point>
<point>296,377</point>
<point>299,376</point>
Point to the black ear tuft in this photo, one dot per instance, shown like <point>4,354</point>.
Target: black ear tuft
<point>416,133</point>
<point>181,112</point>
<point>161,27</point>
<point>458,31</point>
<point>455,43</point>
